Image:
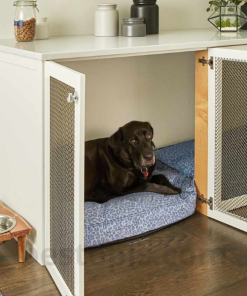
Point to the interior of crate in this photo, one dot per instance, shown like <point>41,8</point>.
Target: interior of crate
<point>159,89</point>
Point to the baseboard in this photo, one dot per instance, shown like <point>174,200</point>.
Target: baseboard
<point>32,249</point>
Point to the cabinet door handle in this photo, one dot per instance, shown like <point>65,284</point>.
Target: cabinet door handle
<point>72,97</point>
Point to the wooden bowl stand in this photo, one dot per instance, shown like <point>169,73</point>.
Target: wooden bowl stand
<point>20,231</point>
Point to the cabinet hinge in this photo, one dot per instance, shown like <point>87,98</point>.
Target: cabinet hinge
<point>209,62</point>
<point>209,201</point>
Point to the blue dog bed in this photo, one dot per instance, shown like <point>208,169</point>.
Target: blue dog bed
<point>179,157</point>
<point>138,213</point>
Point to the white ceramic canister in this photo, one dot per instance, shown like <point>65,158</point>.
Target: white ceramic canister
<point>42,29</point>
<point>106,20</point>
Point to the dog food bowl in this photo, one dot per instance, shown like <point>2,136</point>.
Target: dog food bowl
<point>6,223</point>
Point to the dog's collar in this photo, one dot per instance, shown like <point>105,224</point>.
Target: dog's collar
<point>144,172</point>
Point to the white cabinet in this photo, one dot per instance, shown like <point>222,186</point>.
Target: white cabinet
<point>21,143</point>
<point>42,135</point>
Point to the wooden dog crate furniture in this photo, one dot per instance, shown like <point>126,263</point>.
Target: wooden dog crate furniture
<point>42,130</point>
<point>20,231</point>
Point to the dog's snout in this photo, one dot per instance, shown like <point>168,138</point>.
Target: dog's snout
<point>148,156</point>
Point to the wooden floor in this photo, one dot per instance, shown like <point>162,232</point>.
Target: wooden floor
<point>197,256</point>
<point>28,278</point>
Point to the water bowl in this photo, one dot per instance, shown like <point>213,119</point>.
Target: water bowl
<point>6,223</point>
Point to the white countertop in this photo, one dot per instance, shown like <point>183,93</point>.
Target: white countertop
<point>89,46</point>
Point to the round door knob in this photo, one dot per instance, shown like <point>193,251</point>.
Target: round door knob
<point>72,97</point>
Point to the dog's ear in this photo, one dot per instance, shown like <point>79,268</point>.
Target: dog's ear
<point>153,135</point>
<point>151,128</point>
<point>116,141</point>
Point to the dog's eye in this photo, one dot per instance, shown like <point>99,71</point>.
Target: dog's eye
<point>133,141</point>
<point>149,137</point>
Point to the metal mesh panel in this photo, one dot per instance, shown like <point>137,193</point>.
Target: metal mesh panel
<point>231,138</point>
<point>62,118</point>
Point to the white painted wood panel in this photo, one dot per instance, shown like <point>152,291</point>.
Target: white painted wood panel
<point>21,144</point>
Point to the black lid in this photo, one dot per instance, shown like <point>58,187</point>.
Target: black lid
<point>144,1</point>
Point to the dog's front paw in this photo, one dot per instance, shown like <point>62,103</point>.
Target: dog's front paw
<point>176,189</point>
<point>172,191</point>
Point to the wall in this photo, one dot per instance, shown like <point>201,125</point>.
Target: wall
<point>76,17</point>
<point>157,92</point>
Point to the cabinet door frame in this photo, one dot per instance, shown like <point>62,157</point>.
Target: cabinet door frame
<point>215,214</point>
<point>77,81</point>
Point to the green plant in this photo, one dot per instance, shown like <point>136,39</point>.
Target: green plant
<point>214,5</point>
<point>225,23</point>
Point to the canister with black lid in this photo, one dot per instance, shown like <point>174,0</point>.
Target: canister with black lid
<point>149,10</point>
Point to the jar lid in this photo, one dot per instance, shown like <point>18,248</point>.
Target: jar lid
<point>25,3</point>
<point>144,1</point>
<point>133,20</point>
<point>107,4</point>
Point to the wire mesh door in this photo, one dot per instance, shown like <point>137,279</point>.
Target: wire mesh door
<point>228,139</point>
<point>62,163</point>
<point>65,91</point>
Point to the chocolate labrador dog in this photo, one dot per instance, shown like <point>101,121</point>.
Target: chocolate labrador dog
<point>123,164</point>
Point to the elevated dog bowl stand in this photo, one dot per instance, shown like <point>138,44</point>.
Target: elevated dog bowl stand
<point>20,231</point>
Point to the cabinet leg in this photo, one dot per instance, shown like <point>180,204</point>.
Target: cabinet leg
<point>22,248</point>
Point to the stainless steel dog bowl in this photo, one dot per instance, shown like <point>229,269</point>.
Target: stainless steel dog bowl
<point>6,223</point>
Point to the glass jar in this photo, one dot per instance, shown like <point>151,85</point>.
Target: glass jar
<point>228,18</point>
<point>25,20</point>
<point>149,10</point>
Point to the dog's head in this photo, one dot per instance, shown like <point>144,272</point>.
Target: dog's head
<point>133,144</point>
